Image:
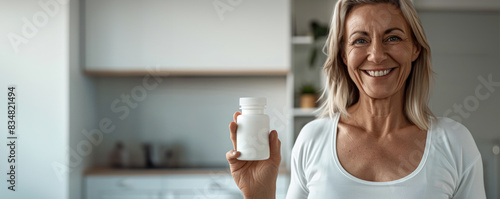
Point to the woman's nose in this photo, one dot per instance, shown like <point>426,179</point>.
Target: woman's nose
<point>377,52</point>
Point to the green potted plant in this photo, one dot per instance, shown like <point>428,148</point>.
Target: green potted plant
<point>308,96</point>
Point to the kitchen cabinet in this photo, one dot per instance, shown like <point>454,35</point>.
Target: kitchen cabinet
<point>187,37</point>
<point>226,196</point>
<point>201,186</point>
<point>198,195</point>
<point>111,187</point>
<point>129,195</point>
<point>464,5</point>
<point>111,184</point>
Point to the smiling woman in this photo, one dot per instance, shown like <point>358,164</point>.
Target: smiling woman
<point>376,138</point>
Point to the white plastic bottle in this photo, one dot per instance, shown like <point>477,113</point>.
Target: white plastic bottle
<point>252,135</point>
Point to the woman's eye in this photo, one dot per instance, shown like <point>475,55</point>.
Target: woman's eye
<point>393,39</point>
<point>360,41</point>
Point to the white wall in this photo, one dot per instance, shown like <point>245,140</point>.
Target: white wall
<point>466,47</point>
<point>193,112</point>
<point>39,70</point>
<point>82,110</point>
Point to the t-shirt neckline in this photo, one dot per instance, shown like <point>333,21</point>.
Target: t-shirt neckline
<point>359,180</point>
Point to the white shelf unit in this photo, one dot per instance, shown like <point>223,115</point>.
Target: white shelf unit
<point>305,112</point>
<point>302,40</point>
<point>302,43</point>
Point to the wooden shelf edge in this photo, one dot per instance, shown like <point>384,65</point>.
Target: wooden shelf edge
<point>188,73</point>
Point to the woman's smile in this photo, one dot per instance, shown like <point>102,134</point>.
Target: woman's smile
<point>378,72</point>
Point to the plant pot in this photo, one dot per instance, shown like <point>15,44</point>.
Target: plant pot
<point>308,101</point>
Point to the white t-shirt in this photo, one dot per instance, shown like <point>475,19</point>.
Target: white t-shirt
<point>450,167</point>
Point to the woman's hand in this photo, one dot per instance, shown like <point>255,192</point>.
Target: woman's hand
<point>256,179</point>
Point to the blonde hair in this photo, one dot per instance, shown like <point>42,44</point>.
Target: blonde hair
<point>341,92</point>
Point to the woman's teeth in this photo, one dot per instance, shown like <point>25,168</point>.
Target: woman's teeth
<point>378,73</point>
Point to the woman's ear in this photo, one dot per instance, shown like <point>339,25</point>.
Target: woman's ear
<point>416,52</point>
<point>344,59</point>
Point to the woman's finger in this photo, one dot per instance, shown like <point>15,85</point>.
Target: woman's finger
<point>235,116</point>
<point>232,156</point>
<point>232,129</point>
<point>275,145</point>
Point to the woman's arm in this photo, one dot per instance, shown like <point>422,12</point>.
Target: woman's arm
<point>471,182</point>
<point>297,188</point>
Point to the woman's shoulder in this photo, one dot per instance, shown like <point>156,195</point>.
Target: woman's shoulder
<point>313,138</point>
<point>318,126</point>
<point>455,139</point>
<point>318,130</point>
<point>446,127</point>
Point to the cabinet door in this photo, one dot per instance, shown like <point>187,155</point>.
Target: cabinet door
<point>457,4</point>
<point>220,186</point>
<point>187,36</point>
<point>129,195</point>
<point>100,187</point>
<point>219,196</point>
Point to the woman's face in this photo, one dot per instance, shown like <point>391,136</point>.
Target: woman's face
<point>378,49</point>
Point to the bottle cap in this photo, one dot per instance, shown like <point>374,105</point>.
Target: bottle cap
<point>253,101</point>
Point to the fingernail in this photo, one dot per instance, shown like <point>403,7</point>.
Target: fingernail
<point>234,152</point>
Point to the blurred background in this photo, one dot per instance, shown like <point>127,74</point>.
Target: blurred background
<point>132,99</point>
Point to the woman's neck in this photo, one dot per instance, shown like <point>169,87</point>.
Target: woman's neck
<point>380,117</point>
